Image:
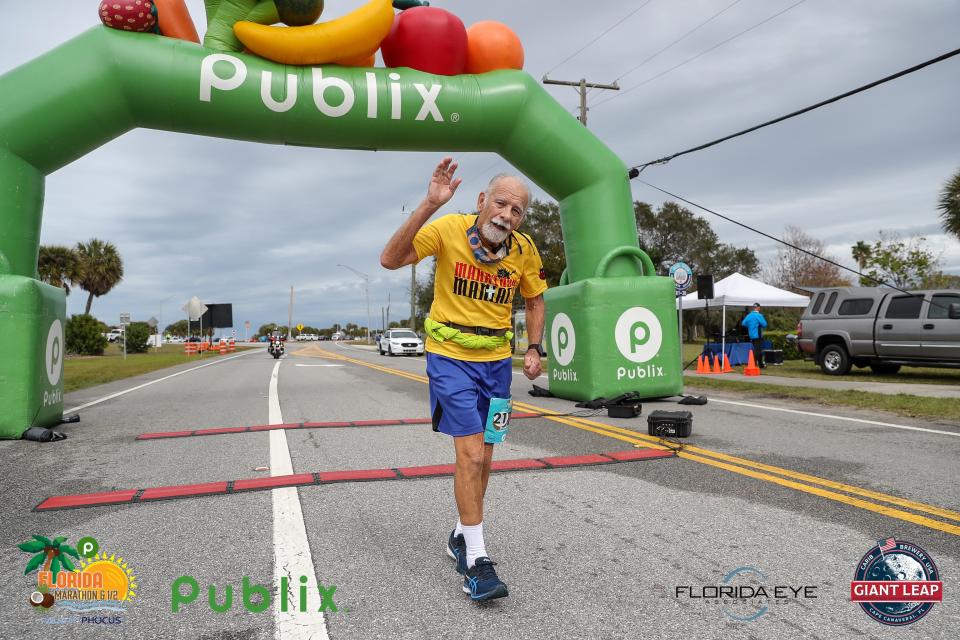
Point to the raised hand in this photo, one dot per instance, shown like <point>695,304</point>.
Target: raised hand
<point>442,183</point>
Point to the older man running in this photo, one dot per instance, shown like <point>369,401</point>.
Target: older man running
<point>481,261</point>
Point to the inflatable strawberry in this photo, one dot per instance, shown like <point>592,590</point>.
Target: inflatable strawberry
<point>128,15</point>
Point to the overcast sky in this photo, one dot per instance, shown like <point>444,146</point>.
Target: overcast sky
<point>239,222</point>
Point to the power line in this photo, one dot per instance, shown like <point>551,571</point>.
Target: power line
<point>703,53</point>
<point>678,40</point>
<point>636,169</point>
<point>783,242</point>
<point>608,30</point>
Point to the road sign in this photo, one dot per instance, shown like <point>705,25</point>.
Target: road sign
<point>682,277</point>
<point>124,318</point>
<point>299,327</point>
<point>246,325</point>
<point>194,308</point>
<point>153,322</point>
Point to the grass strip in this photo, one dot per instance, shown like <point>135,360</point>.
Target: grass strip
<point>902,404</point>
<point>80,373</point>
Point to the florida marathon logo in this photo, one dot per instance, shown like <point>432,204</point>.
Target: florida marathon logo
<point>896,583</point>
<point>77,585</point>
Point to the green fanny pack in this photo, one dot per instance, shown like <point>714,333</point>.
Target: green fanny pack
<point>441,333</point>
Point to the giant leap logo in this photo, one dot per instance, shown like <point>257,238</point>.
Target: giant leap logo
<point>342,96</point>
<point>638,335</point>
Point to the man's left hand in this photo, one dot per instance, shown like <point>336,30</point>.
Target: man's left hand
<point>531,365</point>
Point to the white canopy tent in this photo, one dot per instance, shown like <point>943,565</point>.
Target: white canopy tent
<point>738,290</point>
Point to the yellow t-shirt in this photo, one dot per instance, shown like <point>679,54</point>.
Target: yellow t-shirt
<point>471,293</point>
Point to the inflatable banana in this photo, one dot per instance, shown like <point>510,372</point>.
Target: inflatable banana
<point>355,34</point>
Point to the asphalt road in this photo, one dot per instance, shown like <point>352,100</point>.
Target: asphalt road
<point>797,493</point>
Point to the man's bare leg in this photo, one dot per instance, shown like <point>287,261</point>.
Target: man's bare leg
<point>468,478</point>
<point>487,459</point>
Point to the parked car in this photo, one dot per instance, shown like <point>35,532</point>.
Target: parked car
<point>882,328</point>
<point>307,337</point>
<point>400,342</point>
<point>113,335</point>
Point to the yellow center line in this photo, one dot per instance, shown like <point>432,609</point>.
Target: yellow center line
<point>910,504</point>
<point>742,466</point>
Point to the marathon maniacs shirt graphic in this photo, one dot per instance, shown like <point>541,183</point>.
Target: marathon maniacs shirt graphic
<point>474,294</point>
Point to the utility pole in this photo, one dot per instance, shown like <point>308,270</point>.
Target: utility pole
<point>366,293</point>
<point>290,316</point>
<point>582,87</point>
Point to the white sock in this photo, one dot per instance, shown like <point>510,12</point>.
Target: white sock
<point>459,530</point>
<point>473,536</point>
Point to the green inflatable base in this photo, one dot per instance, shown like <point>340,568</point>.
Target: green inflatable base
<point>608,336</point>
<point>32,319</point>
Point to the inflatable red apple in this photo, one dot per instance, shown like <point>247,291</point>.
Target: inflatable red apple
<point>427,39</point>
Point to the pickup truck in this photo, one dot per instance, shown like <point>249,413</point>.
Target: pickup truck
<point>881,328</point>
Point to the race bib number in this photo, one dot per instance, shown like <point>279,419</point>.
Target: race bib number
<point>498,420</point>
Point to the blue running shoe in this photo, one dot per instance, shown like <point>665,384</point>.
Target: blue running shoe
<point>481,581</point>
<point>457,549</point>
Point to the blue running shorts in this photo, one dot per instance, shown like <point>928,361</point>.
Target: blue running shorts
<point>460,392</point>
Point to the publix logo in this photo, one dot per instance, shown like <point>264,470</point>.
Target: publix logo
<point>333,96</point>
<point>638,335</point>
<point>563,346</point>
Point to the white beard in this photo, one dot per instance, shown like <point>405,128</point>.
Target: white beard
<point>494,234</point>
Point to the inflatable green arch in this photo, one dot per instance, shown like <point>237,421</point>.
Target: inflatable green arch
<point>611,327</point>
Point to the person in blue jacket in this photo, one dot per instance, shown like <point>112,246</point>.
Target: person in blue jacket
<point>755,323</point>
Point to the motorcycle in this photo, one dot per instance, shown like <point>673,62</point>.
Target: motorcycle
<point>276,348</point>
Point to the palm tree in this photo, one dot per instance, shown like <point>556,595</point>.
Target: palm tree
<point>59,266</point>
<point>861,253</point>
<point>949,205</point>
<point>101,268</point>
<point>56,554</point>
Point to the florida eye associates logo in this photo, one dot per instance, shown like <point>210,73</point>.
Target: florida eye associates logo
<point>746,594</point>
<point>896,583</point>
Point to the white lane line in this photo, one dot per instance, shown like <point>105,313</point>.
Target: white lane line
<point>291,550</point>
<point>147,384</point>
<point>321,365</point>
<point>827,415</point>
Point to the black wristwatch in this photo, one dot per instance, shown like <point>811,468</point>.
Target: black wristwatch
<point>536,346</point>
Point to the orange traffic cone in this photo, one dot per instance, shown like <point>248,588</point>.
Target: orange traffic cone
<point>726,364</point>
<point>717,368</point>
<point>751,369</point>
<point>701,366</point>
